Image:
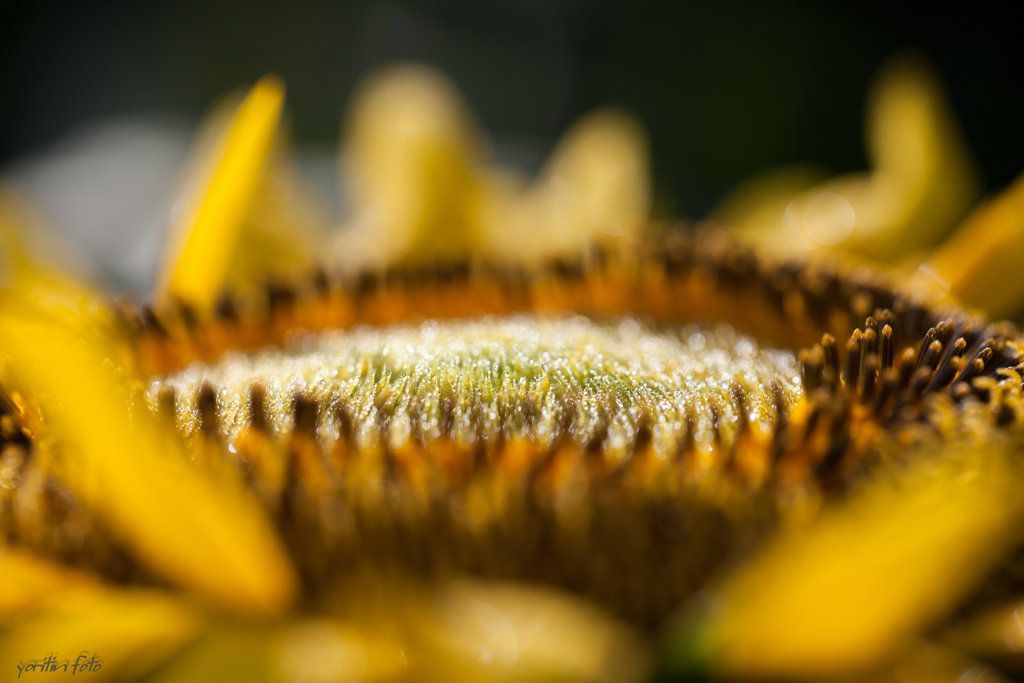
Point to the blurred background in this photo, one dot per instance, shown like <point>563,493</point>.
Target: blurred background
<point>725,89</point>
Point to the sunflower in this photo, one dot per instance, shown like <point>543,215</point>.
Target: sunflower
<point>509,429</point>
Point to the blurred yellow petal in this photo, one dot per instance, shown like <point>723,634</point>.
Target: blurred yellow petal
<point>421,192</point>
<point>205,238</point>
<point>595,190</point>
<point>853,589</point>
<point>213,539</point>
<point>116,636</point>
<point>484,631</point>
<point>923,180</point>
<point>761,200</point>
<point>411,156</point>
<point>31,583</point>
<point>228,652</point>
<point>313,650</point>
<point>921,183</point>
<point>980,264</point>
<point>35,261</point>
<point>36,284</point>
<point>283,234</point>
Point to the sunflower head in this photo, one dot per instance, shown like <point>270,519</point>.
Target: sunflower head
<point>502,428</point>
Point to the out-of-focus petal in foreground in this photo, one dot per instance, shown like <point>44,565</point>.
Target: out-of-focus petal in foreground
<point>853,590</point>
<point>388,628</point>
<point>72,617</point>
<point>211,537</point>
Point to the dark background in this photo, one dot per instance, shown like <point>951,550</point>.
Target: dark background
<point>726,88</point>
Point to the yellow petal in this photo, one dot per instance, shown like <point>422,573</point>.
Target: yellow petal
<point>205,238</point>
<point>923,180</point>
<point>595,190</point>
<point>921,183</point>
<point>410,156</point>
<point>503,631</point>
<point>853,589</point>
<point>980,263</point>
<point>115,636</point>
<point>35,262</point>
<point>282,235</point>
<point>762,200</point>
<point>31,583</point>
<point>213,539</point>
<point>314,650</point>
